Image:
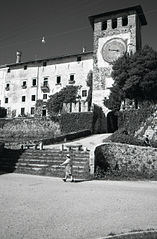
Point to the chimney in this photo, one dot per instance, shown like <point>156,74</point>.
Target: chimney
<point>18,56</point>
<point>84,50</point>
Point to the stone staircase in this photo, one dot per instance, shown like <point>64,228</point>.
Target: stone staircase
<point>44,162</point>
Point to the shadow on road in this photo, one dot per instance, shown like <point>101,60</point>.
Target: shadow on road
<point>8,160</point>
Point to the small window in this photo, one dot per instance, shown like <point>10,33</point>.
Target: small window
<point>25,67</point>
<point>7,87</point>
<point>24,83</point>
<point>71,77</point>
<point>104,26</point>
<point>33,97</point>
<point>114,23</point>
<point>44,96</point>
<point>8,70</point>
<point>34,82</point>
<point>58,79</point>
<point>6,100</point>
<point>44,112</point>
<point>84,93</point>
<point>22,111</point>
<point>23,98</point>
<point>44,63</point>
<point>79,58</point>
<point>124,21</point>
<point>32,110</point>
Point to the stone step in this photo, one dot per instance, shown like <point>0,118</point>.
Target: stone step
<point>43,162</point>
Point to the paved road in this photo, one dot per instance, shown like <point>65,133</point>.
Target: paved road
<point>90,141</point>
<point>34,207</point>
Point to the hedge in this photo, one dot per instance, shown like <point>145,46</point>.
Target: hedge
<point>74,122</point>
<point>132,119</point>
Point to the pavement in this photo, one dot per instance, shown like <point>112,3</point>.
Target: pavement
<point>38,207</point>
<point>90,142</point>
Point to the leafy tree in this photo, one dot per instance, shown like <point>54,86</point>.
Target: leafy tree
<point>135,77</point>
<point>65,95</point>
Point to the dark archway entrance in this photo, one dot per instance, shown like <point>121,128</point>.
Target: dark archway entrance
<point>112,122</point>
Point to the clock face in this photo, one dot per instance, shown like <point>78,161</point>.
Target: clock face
<point>113,49</point>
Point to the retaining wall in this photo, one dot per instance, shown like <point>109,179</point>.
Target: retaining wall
<point>127,160</point>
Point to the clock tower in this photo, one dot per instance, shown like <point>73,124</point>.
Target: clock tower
<point>115,33</point>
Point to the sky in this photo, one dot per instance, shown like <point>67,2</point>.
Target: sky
<point>63,23</point>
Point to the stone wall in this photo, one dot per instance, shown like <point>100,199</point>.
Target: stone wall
<point>29,128</point>
<point>127,160</point>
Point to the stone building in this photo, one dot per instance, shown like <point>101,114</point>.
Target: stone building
<point>23,83</point>
<point>114,33</point>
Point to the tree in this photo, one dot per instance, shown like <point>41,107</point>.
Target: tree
<point>65,95</point>
<point>135,77</point>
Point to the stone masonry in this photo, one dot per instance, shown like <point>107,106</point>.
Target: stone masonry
<point>129,33</point>
<point>130,160</point>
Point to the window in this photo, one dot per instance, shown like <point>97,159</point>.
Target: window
<point>33,97</point>
<point>22,111</point>
<point>114,23</point>
<point>8,70</point>
<point>84,93</point>
<point>24,86</point>
<point>104,26</point>
<point>44,112</point>
<point>45,81</point>
<point>34,82</point>
<point>58,79</point>
<point>24,83</point>
<point>71,77</point>
<point>23,98</point>
<point>7,87</point>
<point>44,96</point>
<point>6,100</point>
<point>25,67</point>
<point>124,21</point>
<point>44,63</point>
<point>32,110</point>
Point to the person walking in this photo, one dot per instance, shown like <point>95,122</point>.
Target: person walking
<point>68,168</point>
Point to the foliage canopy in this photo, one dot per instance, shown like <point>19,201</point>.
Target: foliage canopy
<point>66,95</point>
<point>135,77</point>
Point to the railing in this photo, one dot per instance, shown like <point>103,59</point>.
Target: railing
<point>45,88</point>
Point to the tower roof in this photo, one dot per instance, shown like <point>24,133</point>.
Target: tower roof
<point>118,13</point>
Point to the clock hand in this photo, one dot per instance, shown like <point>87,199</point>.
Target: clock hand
<point>113,50</point>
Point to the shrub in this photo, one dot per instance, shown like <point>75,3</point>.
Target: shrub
<point>122,136</point>
<point>73,122</point>
<point>132,119</point>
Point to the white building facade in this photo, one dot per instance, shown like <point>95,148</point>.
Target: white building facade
<point>23,83</point>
